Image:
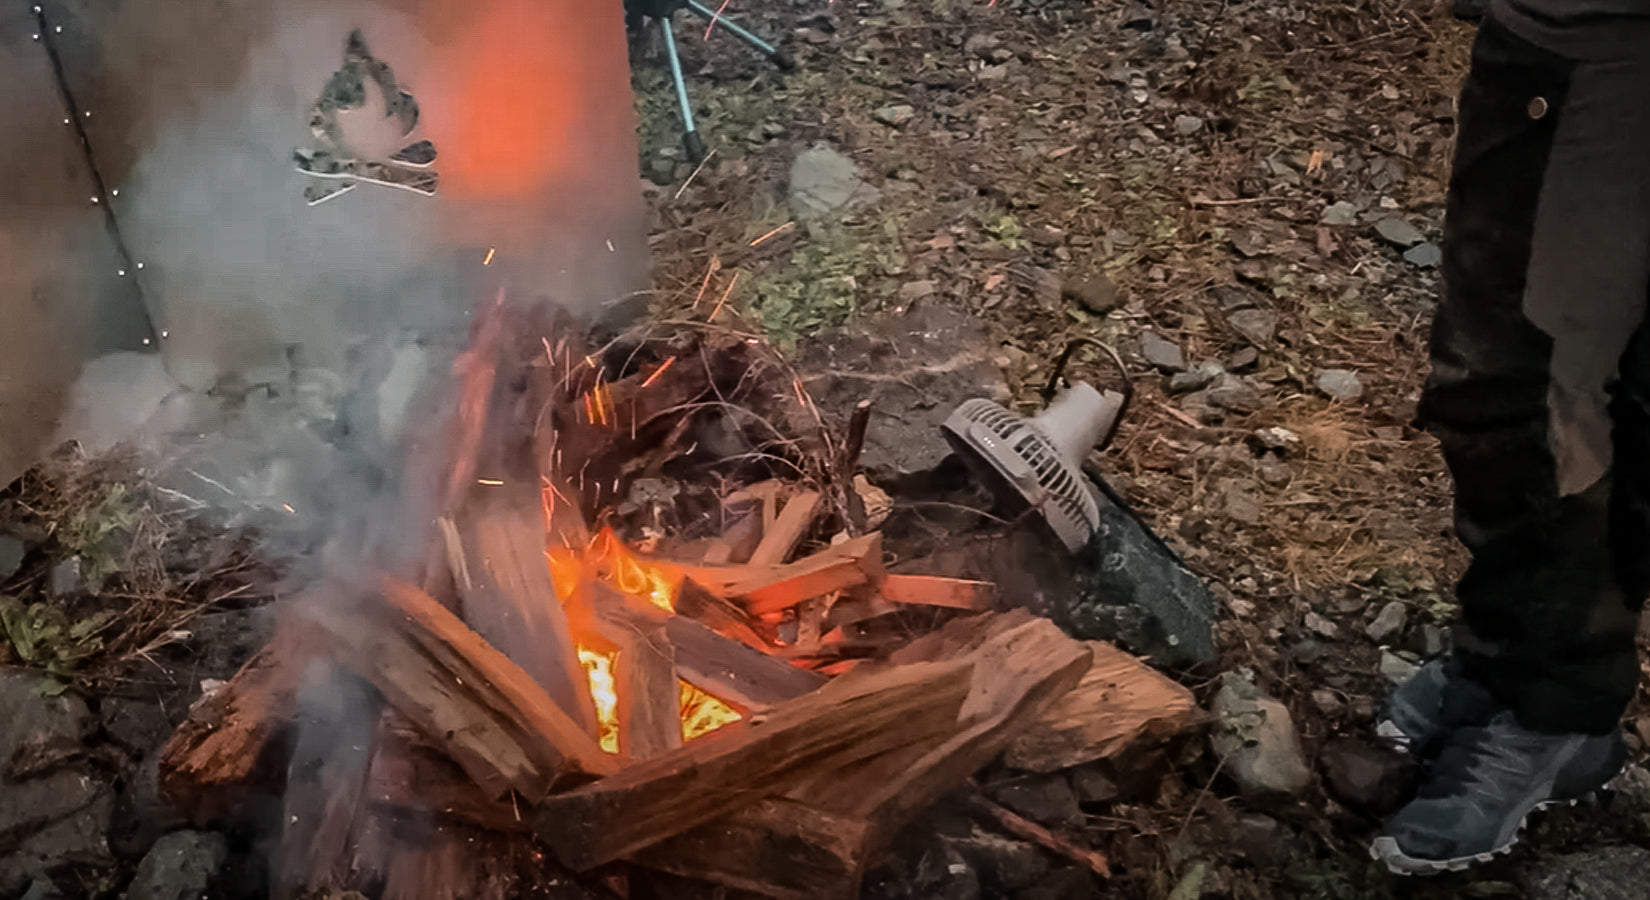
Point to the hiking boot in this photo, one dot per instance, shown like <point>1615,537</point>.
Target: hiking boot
<point>1485,780</point>
<point>1436,700</point>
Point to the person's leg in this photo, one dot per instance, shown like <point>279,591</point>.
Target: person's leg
<point>1547,268</point>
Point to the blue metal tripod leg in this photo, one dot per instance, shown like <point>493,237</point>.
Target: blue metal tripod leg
<point>780,58</point>
<point>691,142</point>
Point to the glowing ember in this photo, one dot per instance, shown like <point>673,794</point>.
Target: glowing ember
<point>605,693</point>
<point>702,713</point>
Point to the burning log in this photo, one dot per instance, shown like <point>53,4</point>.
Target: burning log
<point>853,563</point>
<point>231,739</point>
<point>789,526</point>
<point>723,616</point>
<point>728,670</point>
<point>508,596</point>
<point>649,711</point>
<point>854,717</point>
<point>489,716</point>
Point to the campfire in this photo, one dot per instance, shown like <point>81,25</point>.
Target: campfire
<point>612,649</point>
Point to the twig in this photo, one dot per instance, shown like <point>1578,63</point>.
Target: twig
<point>1026,829</point>
<point>854,444</point>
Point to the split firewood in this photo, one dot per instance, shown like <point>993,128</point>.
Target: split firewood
<point>649,706</point>
<point>1121,703</point>
<point>853,610</point>
<point>775,847</point>
<point>490,717</point>
<point>932,590</point>
<point>325,796</point>
<point>411,776</point>
<point>734,673</point>
<point>232,739</point>
<point>765,494</point>
<point>780,540</point>
<point>1017,674</point>
<point>508,596</point>
<point>854,562</point>
<point>852,718</point>
<point>723,616</point>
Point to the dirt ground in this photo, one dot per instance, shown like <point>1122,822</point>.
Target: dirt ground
<point>1222,177</point>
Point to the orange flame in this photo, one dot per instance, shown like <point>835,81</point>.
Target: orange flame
<point>702,713</point>
<point>604,692</point>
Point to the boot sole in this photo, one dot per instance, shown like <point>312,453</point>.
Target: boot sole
<point>1385,849</point>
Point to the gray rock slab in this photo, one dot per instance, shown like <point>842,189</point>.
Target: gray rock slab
<point>179,867</point>
<point>825,183</point>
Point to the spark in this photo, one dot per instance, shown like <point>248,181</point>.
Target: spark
<point>491,482</point>
<point>694,174</point>
<point>725,294</point>
<point>589,408</point>
<point>777,231</point>
<point>288,508</point>
<point>489,260</point>
<point>548,353</point>
<point>610,246</point>
<point>801,396</point>
<point>713,19</point>
<point>659,371</point>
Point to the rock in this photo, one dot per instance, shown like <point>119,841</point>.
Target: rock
<point>1197,378</point>
<point>1327,702</point>
<point>141,816</point>
<point>916,368</point>
<point>179,867</point>
<point>64,811</point>
<point>1242,359</point>
<point>1188,124</point>
<point>933,870</point>
<point>1388,622</point>
<point>1274,471</point>
<point>1197,405</point>
<point>1241,505</point>
<point>1321,625</point>
<point>1342,213</point>
<point>12,550</point>
<point>1070,883</point>
<point>1433,640</point>
<point>28,716</point>
<point>1373,780</point>
<point>1160,352</point>
<point>1427,255</point>
<point>64,578</point>
<point>1258,326</point>
<point>1395,668</point>
<point>1255,736</point>
<point>981,46</point>
<point>1262,839</point>
<point>1308,651</point>
<point>824,182</point>
<point>1095,293</point>
<point>1234,394</point>
<point>1605,873</point>
<point>1277,438</point>
<point>896,115</point>
<point>42,889</point>
<point>1048,799</point>
<point>76,840</point>
<point>912,291</point>
<point>1004,864</point>
<point>1340,384</point>
<point>1092,783</point>
<point>137,726</point>
<point>1399,231</point>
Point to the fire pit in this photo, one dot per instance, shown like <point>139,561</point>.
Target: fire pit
<point>576,671</point>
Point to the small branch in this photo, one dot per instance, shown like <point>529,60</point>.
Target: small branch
<point>1026,829</point>
<point>858,423</point>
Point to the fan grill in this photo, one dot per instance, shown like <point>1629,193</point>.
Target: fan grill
<point>1067,503</point>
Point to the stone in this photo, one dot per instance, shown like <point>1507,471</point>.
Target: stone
<point>42,889</point>
<point>1388,622</point>
<point>824,182</point>
<point>1095,293</point>
<point>1373,780</point>
<point>1320,625</point>
<point>75,840</point>
<point>981,45</point>
<point>1242,359</point>
<point>1427,255</point>
<point>1258,326</point>
<point>1308,651</point>
<point>179,867</point>
<point>12,550</point>
<point>1233,393</point>
<point>141,815</point>
<point>138,726</point>
<point>1399,231</point>
<point>224,641</point>
<point>1274,471</point>
<point>1256,737</point>
<point>1070,883</point>
<point>1161,352</point>
<point>1092,783</point>
<point>1004,864</point>
<point>1265,841</point>
<point>1395,668</point>
<point>915,368</point>
<point>1340,384</point>
<point>912,291</point>
<point>64,578</point>
<point>933,870</point>
<point>1197,378</point>
<point>1603,873</point>
<point>1434,641</point>
<point>1188,125</point>
<point>1342,213</point>
<point>1241,504</point>
<point>1327,702</point>
<point>1276,437</point>
<point>1048,799</point>
<point>896,115</point>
